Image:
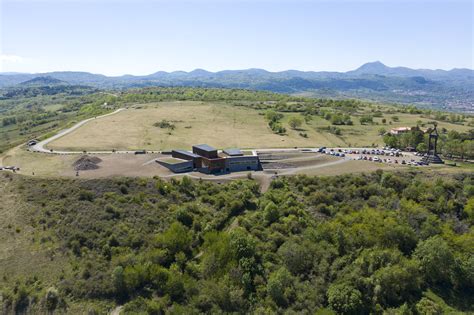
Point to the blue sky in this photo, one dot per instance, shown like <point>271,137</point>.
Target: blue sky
<point>144,36</point>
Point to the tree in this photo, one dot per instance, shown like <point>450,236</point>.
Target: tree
<point>296,256</point>
<point>469,209</point>
<point>422,147</point>
<point>295,122</point>
<point>436,260</point>
<point>279,286</point>
<point>427,306</point>
<point>118,279</point>
<point>366,119</point>
<point>272,115</point>
<point>52,299</point>
<point>345,299</point>
<point>271,213</point>
<point>217,253</point>
<point>382,131</point>
<point>176,239</point>
<point>391,141</point>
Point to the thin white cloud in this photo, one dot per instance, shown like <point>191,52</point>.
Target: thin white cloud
<point>11,58</point>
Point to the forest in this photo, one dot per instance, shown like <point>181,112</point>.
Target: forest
<point>380,243</point>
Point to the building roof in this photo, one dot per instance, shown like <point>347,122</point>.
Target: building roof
<point>233,152</point>
<point>401,129</point>
<point>184,152</point>
<point>171,160</point>
<point>205,147</point>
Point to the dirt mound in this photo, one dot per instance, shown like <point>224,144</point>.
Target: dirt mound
<point>86,162</point>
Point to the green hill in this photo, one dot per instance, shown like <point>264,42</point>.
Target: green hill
<point>378,243</point>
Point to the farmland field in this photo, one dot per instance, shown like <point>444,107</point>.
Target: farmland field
<point>221,125</point>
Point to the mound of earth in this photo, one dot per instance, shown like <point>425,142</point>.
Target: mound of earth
<point>86,162</point>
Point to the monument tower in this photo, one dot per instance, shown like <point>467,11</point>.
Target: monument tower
<point>432,155</point>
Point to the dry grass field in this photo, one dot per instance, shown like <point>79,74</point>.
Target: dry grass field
<point>220,125</point>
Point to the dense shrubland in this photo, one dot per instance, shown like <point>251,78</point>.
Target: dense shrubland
<point>355,244</point>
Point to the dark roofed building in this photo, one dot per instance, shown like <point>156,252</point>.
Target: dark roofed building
<point>206,159</point>
<point>233,152</point>
<point>206,151</point>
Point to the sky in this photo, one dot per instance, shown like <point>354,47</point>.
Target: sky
<point>116,37</point>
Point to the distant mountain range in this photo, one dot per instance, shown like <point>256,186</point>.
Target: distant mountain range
<point>448,90</point>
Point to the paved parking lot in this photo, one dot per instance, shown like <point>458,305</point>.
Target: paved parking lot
<point>390,156</point>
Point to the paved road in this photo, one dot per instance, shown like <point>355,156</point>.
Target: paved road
<point>39,147</point>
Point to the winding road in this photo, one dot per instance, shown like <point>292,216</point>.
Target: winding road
<point>40,146</point>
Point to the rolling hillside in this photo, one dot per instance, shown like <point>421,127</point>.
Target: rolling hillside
<point>448,90</point>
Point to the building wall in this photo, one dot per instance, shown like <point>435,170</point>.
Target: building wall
<point>204,153</point>
<point>213,165</point>
<point>179,155</point>
<point>242,163</point>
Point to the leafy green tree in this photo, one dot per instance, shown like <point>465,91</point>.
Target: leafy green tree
<point>469,209</point>
<point>118,280</point>
<point>436,260</point>
<point>391,141</point>
<point>422,147</point>
<point>366,119</point>
<point>279,287</point>
<point>271,213</point>
<point>428,307</point>
<point>295,122</point>
<point>177,238</point>
<point>297,256</point>
<point>345,299</point>
<point>217,253</point>
<point>272,115</point>
<point>396,284</point>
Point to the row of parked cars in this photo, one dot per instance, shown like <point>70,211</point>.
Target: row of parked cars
<point>386,152</point>
<point>333,152</point>
<point>391,152</point>
<point>388,160</point>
